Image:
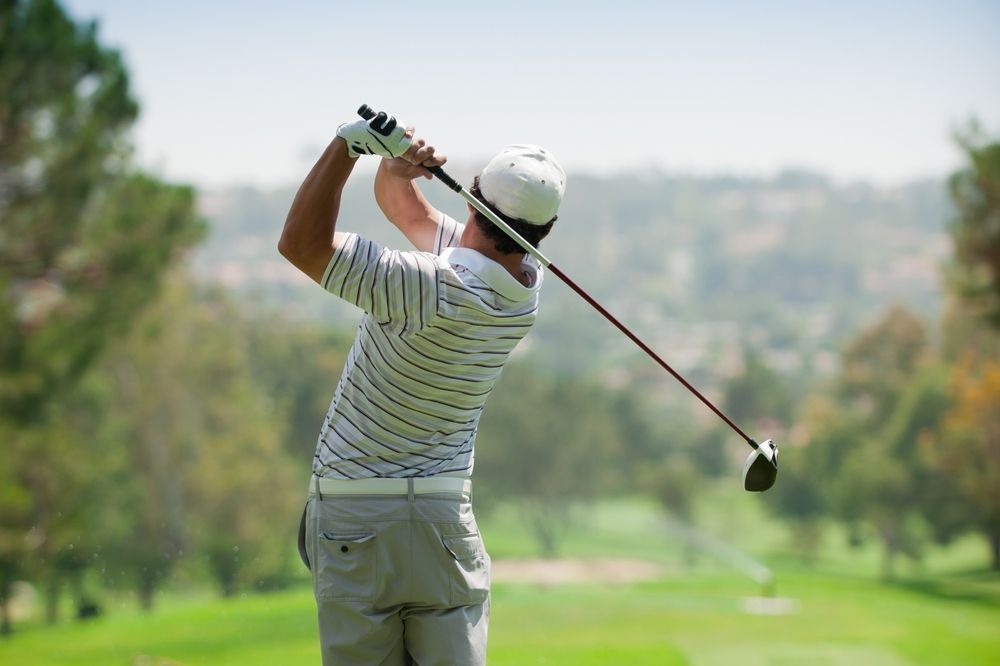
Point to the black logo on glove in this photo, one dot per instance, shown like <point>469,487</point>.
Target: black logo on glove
<point>382,124</point>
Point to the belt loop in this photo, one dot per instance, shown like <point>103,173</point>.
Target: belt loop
<point>409,489</point>
<point>319,495</point>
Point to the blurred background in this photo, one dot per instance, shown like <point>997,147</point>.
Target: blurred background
<point>797,205</point>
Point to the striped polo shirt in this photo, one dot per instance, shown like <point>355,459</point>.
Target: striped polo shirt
<point>437,329</point>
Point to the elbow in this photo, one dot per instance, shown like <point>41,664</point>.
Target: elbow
<point>290,247</point>
<point>293,252</point>
<point>286,249</point>
<point>303,253</point>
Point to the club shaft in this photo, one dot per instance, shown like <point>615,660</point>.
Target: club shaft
<point>652,354</point>
<point>514,236</point>
<point>534,252</point>
<point>366,112</point>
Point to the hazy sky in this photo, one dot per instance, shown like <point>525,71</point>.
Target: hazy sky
<point>251,91</point>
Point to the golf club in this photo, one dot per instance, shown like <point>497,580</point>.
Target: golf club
<point>761,467</point>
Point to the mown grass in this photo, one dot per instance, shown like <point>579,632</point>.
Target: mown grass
<point>944,611</point>
<point>699,621</point>
<point>696,620</point>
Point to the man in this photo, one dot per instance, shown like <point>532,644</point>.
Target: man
<point>399,569</point>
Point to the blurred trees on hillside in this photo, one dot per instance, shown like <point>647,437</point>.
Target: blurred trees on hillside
<point>881,359</point>
<point>547,443</point>
<point>884,484</point>
<point>975,191</point>
<point>862,462</point>
<point>757,394</point>
<point>300,365</point>
<point>204,470</point>
<point>84,242</point>
<point>966,445</point>
<point>801,495</point>
<point>905,443</point>
<point>967,448</point>
<point>173,453</point>
<point>85,237</point>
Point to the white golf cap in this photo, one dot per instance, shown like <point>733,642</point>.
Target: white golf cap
<point>524,182</point>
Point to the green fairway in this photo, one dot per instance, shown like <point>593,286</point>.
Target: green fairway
<point>942,611</point>
<point>692,621</point>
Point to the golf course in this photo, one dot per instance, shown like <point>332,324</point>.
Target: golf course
<point>307,282</point>
<point>697,611</point>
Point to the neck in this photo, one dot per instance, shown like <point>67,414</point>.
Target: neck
<point>511,262</point>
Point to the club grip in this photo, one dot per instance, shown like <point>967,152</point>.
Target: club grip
<point>441,175</point>
<point>368,113</point>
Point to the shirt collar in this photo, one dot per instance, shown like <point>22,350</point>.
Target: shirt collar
<point>495,275</point>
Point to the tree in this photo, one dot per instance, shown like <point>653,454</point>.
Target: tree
<point>241,482</point>
<point>16,516</point>
<point>85,239</point>
<point>547,443</point>
<point>84,242</point>
<point>802,494</point>
<point>968,448</point>
<point>67,484</point>
<point>884,482</point>
<point>674,481</point>
<point>880,360</point>
<point>756,394</point>
<point>204,470</point>
<point>873,476</point>
<point>975,191</point>
<point>966,338</point>
<point>297,365</point>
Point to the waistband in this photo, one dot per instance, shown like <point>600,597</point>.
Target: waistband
<point>425,485</point>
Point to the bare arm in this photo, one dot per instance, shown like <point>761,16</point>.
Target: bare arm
<point>400,199</point>
<point>309,237</point>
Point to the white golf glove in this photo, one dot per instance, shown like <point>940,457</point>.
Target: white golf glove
<point>381,135</point>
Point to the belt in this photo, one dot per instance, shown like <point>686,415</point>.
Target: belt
<point>424,485</point>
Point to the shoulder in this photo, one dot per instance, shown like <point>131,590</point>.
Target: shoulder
<point>449,234</point>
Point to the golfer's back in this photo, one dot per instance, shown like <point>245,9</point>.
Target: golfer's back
<point>436,332</point>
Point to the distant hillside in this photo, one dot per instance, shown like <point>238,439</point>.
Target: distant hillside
<point>699,267</point>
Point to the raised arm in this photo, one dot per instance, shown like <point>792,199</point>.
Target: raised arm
<point>309,237</point>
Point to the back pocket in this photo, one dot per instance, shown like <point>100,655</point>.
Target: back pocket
<point>347,565</point>
<point>470,574</point>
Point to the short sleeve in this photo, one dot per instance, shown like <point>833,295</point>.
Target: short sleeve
<point>449,233</point>
<point>398,288</point>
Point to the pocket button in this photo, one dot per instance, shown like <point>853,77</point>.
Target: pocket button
<point>347,566</point>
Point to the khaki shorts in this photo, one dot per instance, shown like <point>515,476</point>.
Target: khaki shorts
<point>398,579</point>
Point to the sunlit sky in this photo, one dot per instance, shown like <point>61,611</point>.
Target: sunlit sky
<point>250,92</point>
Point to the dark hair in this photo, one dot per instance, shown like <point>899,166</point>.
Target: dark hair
<point>533,233</point>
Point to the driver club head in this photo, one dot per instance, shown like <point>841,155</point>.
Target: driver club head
<point>761,467</point>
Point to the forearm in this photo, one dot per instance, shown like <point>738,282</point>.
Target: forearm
<point>307,240</point>
<point>405,206</point>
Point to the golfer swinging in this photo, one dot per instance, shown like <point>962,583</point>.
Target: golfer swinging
<point>399,569</point>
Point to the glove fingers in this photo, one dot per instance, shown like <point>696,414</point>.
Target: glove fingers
<point>383,123</point>
<point>379,134</point>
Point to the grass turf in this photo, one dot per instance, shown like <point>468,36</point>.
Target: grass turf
<point>944,611</point>
<point>696,620</point>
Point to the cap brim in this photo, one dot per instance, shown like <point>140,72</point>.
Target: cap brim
<point>761,468</point>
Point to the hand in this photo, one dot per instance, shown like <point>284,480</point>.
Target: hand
<point>415,162</point>
<point>380,135</point>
